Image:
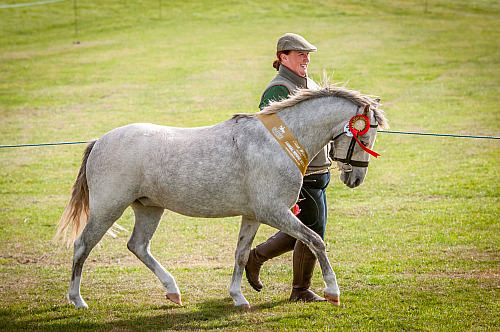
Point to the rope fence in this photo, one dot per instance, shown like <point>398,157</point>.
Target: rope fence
<point>28,4</point>
<point>441,135</point>
<point>40,144</point>
<point>380,131</point>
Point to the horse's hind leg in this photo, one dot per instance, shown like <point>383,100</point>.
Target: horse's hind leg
<point>146,222</point>
<point>248,229</point>
<point>93,232</point>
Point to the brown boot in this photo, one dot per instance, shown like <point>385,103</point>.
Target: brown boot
<point>303,268</point>
<point>275,246</point>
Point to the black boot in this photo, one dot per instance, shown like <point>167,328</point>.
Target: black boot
<point>303,268</point>
<point>275,246</point>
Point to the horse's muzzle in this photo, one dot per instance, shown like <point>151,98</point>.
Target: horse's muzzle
<point>351,178</point>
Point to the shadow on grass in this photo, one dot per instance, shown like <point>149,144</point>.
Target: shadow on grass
<point>207,315</point>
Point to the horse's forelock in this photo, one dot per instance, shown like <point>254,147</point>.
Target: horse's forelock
<point>380,118</point>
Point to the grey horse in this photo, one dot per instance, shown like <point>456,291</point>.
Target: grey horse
<point>229,169</point>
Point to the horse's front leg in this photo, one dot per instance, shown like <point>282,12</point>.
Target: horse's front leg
<point>248,229</point>
<point>291,225</point>
<point>331,292</point>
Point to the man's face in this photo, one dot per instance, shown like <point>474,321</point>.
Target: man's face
<point>296,61</point>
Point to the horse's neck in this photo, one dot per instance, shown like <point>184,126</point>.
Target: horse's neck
<point>315,122</point>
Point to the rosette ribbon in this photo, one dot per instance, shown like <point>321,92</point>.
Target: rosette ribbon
<point>359,125</point>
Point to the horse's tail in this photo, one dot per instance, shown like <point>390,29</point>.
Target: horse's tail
<point>76,212</point>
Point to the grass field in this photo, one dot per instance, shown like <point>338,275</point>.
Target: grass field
<point>416,247</point>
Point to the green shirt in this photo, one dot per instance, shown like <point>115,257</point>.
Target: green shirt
<point>276,93</point>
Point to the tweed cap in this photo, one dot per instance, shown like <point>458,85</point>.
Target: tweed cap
<point>294,42</point>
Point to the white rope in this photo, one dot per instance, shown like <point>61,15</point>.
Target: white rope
<point>27,4</point>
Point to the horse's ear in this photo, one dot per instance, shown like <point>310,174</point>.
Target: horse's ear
<point>377,100</point>
<point>366,110</point>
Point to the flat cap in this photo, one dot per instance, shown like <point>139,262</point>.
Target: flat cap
<point>294,42</point>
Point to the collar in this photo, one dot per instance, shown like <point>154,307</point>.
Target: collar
<point>287,73</point>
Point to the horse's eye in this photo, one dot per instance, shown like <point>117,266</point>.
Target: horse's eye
<point>365,143</point>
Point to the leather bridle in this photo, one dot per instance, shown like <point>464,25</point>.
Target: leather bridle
<point>349,131</point>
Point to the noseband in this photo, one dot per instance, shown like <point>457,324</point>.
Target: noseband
<point>357,126</point>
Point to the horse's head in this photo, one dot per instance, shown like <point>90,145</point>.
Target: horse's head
<point>352,148</point>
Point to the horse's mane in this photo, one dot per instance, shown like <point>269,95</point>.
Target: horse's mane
<point>300,95</point>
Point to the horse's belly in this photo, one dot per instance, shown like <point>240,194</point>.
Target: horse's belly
<point>206,195</point>
<point>204,206</point>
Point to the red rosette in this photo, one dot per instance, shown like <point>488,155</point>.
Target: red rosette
<point>359,125</point>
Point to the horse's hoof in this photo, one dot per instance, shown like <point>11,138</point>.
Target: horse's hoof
<point>81,306</point>
<point>244,307</point>
<point>335,300</point>
<point>78,302</point>
<point>174,297</point>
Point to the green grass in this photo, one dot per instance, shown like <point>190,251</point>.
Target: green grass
<point>416,247</point>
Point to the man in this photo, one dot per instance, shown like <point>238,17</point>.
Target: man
<point>292,60</point>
